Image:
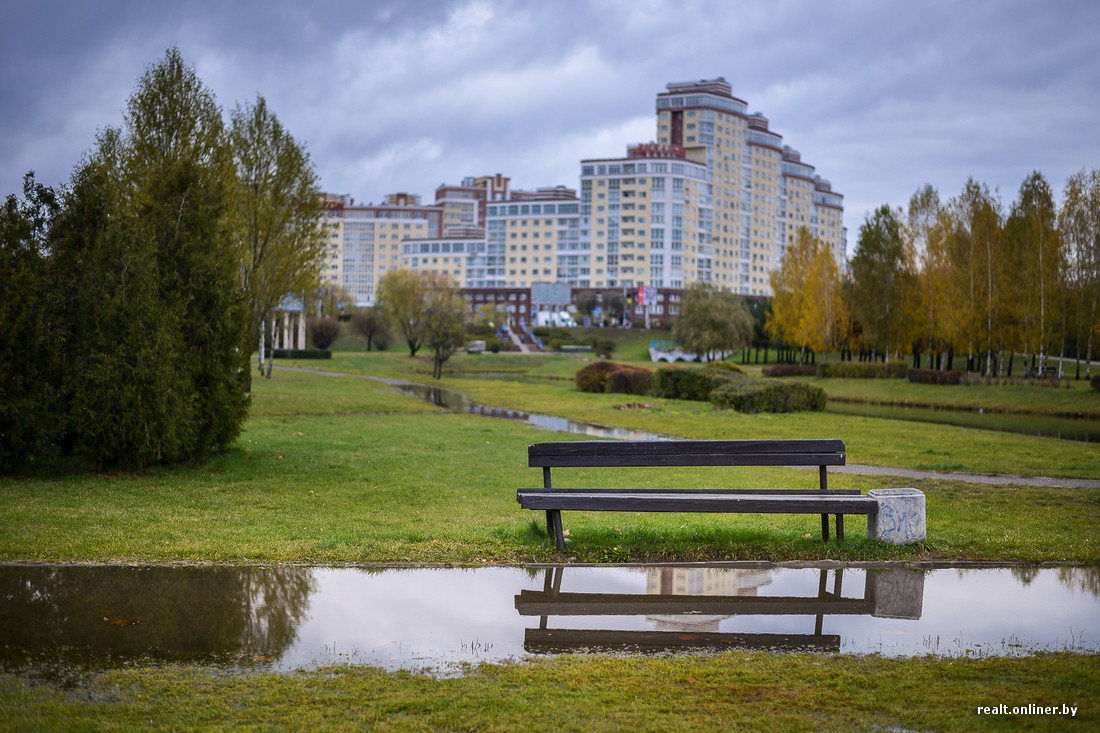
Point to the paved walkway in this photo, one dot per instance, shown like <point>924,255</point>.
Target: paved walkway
<point>971,478</point>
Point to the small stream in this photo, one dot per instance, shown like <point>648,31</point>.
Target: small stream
<point>456,402</point>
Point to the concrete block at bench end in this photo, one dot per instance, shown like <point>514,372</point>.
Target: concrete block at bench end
<point>899,592</point>
<point>901,516</point>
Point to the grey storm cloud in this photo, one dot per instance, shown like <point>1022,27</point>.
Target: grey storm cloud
<point>881,97</point>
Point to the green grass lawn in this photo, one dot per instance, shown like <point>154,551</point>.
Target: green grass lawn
<point>736,691</point>
<point>333,469</point>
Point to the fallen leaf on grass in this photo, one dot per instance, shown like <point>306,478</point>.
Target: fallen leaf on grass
<point>122,621</point>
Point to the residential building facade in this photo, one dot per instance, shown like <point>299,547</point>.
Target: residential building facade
<point>716,198</point>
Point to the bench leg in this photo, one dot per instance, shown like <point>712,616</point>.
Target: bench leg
<point>839,527</point>
<point>554,527</point>
<point>824,527</point>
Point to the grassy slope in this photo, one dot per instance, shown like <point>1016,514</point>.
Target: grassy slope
<point>339,469</point>
<point>334,469</point>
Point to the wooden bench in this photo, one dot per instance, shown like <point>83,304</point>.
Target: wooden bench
<point>658,453</point>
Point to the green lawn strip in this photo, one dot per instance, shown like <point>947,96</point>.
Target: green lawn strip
<point>731,691</point>
<point>440,488</point>
<point>297,393</point>
<point>1079,400</point>
<point>871,441</point>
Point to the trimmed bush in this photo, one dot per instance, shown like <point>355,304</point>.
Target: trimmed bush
<point>934,376</point>
<point>593,377</point>
<point>630,380</point>
<point>790,370</point>
<point>728,366</point>
<point>863,369</point>
<point>323,331</point>
<point>768,396</point>
<point>691,382</point>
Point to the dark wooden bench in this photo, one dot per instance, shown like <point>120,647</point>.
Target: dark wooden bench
<point>658,453</point>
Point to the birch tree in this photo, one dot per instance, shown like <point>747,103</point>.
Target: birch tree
<point>1079,221</point>
<point>807,302</point>
<point>1035,258</point>
<point>925,235</point>
<point>878,268</point>
<point>277,213</point>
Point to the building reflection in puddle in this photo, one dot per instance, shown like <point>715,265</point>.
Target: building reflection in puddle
<point>287,618</point>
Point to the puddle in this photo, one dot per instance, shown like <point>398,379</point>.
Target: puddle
<point>451,400</point>
<point>56,622</point>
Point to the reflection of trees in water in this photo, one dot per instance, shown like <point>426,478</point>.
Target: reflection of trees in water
<point>184,613</point>
<point>1025,575</point>
<point>1085,579</point>
<point>1082,578</point>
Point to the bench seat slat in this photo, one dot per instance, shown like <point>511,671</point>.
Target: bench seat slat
<point>603,453</point>
<point>677,501</point>
<point>695,459</point>
<point>682,447</point>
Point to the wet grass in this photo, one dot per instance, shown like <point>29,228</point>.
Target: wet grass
<point>730,691</point>
<point>335,470</point>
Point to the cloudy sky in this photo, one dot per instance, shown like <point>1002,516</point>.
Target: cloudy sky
<point>880,96</point>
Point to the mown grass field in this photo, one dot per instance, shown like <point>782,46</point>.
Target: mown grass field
<point>333,469</point>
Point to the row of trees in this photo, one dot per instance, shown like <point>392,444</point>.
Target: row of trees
<point>955,278</point>
<point>134,294</point>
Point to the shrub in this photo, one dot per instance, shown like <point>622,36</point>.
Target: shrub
<point>934,376</point>
<point>1095,382</point>
<point>323,331</point>
<point>728,366</point>
<point>602,347</point>
<point>768,396</point>
<point>789,370</point>
<point>593,377</point>
<point>691,382</point>
<point>863,369</point>
<point>630,380</point>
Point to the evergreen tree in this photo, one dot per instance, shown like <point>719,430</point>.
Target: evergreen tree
<point>30,418</point>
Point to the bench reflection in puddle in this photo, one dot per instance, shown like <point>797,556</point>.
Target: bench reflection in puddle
<point>687,606</point>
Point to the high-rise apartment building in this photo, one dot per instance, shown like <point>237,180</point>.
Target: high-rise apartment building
<point>762,192</point>
<point>366,241</point>
<point>645,219</point>
<point>716,198</point>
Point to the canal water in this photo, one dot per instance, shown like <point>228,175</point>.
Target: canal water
<point>60,621</point>
<point>456,402</point>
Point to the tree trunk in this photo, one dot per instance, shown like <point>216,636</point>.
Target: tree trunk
<point>263,345</point>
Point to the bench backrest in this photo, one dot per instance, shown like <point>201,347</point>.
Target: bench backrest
<point>594,453</point>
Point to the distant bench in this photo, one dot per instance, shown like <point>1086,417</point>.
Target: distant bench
<point>667,453</point>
